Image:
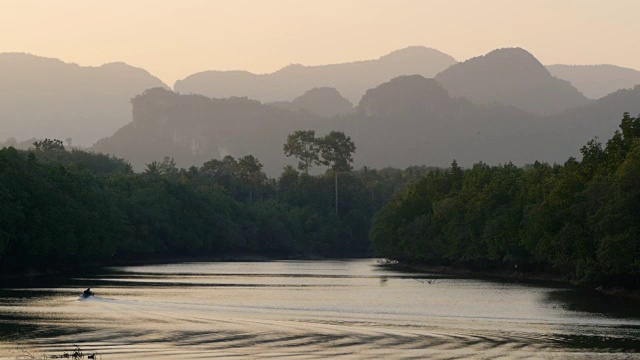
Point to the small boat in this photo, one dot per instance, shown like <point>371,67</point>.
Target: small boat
<point>87,293</point>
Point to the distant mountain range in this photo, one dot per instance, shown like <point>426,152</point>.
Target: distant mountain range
<point>503,106</point>
<point>406,121</point>
<point>507,76</point>
<point>42,97</point>
<point>596,81</point>
<point>350,79</point>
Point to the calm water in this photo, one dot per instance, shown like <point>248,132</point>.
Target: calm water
<point>309,309</point>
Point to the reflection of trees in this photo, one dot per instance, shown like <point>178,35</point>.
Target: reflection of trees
<point>593,302</point>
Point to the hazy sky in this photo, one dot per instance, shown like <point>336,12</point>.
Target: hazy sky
<point>175,38</point>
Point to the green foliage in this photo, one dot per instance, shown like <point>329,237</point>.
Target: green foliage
<point>303,145</point>
<point>578,219</point>
<point>47,145</point>
<point>60,209</point>
<point>334,150</point>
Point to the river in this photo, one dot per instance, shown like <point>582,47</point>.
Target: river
<point>309,309</point>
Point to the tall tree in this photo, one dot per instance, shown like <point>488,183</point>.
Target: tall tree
<point>336,152</point>
<point>250,171</point>
<point>303,145</point>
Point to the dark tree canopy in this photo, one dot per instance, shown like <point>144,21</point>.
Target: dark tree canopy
<point>303,145</point>
<point>579,219</point>
<point>60,209</point>
<point>334,150</point>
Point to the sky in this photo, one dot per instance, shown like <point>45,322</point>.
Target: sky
<point>175,38</point>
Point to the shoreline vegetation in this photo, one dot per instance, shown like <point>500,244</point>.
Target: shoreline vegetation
<point>578,219</point>
<point>62,210</point>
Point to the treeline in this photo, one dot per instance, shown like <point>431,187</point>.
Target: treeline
<point>60,209</point>
<point>580,219</point>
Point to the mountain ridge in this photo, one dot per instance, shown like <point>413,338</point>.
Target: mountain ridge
<point>47,97</point>
<point>511,76</point>
<point>351,79</point>
<point>389,129</point>
<point>323,101</point>
<point>597,80</point>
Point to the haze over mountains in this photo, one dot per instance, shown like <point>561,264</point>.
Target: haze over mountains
<point>503,106</point>
<point>406,121</point>
<point>42,97</point>
<point>596,81</point>
<point>508,76</point>
<point>325,102</point>
<point>352,79</point>
<point>511,77</point>
<point>193,129</point>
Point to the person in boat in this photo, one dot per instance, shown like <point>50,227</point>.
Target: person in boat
<point>87,292</point>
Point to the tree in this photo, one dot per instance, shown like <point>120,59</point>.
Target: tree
<point>153,169</point>
<point>336,151</point>
<point>250,171</point>
<point>303,145</point>
<point>49,149</point>
<point>168,168</point>
<point>47,145</point>
<point>222,172</point>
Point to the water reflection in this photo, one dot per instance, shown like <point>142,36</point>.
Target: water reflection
<point>596,303</point>
<point>309,309</point>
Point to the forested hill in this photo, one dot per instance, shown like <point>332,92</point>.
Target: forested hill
<point>407,121</point>
<point>579,219</point>
<point>61,209</point>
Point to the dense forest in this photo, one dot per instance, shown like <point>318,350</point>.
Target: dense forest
<point>578,219</point>
<point>62,208</point>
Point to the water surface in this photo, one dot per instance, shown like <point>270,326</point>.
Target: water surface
<point>310,309</point>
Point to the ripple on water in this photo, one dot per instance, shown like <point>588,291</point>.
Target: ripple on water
<point>312,309</point>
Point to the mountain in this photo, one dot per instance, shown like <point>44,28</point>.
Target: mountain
<point>600,118</point>
<point>22,145</point>
<point>511,77</point>
<point>596,81</point>
<point>409,95</point>
<point>325,102</point>
<point>42,97</point>
<point>409,120</point>
<point>193,129</point>
<point>350,79</point>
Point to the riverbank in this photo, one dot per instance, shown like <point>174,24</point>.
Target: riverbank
<point>514,275</point>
